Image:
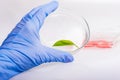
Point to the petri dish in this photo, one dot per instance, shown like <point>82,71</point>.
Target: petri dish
<point>70,32</point>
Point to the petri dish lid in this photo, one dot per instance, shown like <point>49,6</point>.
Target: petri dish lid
<point>70,32</point>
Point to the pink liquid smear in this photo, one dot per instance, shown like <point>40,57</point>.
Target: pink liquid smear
<point>99,44</point>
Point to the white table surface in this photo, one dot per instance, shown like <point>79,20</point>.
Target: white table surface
<point>89,64</point>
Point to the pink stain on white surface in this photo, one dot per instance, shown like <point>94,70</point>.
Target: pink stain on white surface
<point>99,44</point>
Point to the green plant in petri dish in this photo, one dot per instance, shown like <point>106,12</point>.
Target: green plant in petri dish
<point>65,43</point>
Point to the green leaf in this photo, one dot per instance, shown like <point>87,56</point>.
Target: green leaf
<point>65,43</point>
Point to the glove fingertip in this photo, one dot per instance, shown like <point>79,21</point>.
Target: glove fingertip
<point>58,55</point>
<point>50,7</point>
<point>68,58</point>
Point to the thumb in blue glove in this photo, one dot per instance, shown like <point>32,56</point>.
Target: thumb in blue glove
<point>22,49</point>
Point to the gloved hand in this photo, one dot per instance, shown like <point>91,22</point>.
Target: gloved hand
<point>22,49</point>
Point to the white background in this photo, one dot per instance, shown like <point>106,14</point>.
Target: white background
<point>90,64</point>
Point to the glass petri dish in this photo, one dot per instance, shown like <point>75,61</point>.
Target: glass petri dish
<point>67,31</point>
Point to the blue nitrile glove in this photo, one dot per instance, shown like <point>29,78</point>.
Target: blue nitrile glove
<point>22,49</point>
